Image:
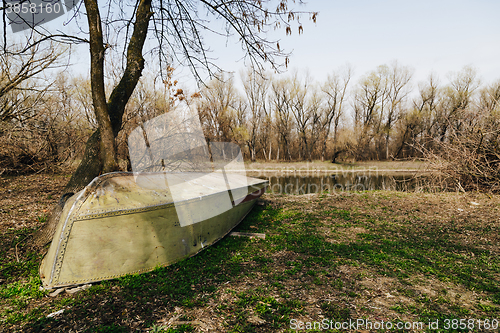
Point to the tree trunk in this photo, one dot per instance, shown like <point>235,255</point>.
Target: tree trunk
<point>403,141</point>
<point>100,151</point>
<point>90,167</point>
<point>387,147</point>
<point>252,150</point>
<point>336,155</point>
<point>323,151</point>
<point>97,50</point>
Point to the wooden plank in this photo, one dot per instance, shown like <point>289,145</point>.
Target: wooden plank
<point>247,234</point>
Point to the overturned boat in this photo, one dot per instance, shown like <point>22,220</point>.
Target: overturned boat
<point>128,223</point>
<point>119,225</point>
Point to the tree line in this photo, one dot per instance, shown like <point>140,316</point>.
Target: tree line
<point>383,115</point>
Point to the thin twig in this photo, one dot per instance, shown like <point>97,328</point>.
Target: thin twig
<point>17,256</point>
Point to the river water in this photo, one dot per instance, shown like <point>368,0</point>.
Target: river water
<point>339,182</point>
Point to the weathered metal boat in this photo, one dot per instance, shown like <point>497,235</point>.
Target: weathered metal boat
<point>125,223</point>
<point>183,195</point>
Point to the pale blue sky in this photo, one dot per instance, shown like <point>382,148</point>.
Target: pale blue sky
<point>439,36</point>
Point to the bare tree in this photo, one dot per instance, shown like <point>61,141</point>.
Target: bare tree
<point>419,123</point>
<point>489,99</point>
<point>315,107</point>
<point>456,99</point>
<point>51,132</point>
<point>19,73</point>
<point>426,106</point>
<point>83,98</point>
<point>256,91</point>
<point>369,102</point>
<point>267,134</point>
<point>469,157</point>
<point>297,103</point>
<point>398,80</point>
<point>218,109</point>
<point>335,90</point>
<point>178,27</point>
<point>279,99</point>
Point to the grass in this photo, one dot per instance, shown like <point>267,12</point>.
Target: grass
<point>376,255</point>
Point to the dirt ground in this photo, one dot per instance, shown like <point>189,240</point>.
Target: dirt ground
<point>25,201</point>
<point>377,255</point>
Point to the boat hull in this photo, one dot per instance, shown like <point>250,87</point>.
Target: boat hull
<point>115,242</point>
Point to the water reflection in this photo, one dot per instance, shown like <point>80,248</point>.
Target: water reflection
<point>281,184</point>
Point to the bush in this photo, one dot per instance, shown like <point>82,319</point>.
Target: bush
<point>470,159</point>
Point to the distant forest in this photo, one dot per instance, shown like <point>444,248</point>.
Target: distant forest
<point>383,115</point>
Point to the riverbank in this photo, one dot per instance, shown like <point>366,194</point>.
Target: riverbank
<point>378,255</point>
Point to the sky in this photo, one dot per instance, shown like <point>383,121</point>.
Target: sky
<point>439,36</point>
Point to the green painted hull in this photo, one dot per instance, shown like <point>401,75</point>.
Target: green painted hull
<point>118,226</point>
